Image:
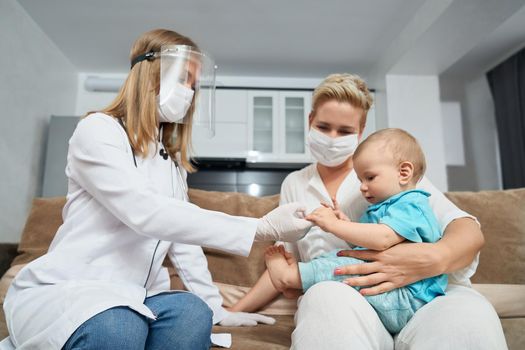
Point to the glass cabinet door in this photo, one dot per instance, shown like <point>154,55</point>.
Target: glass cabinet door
<point>262,121</point>
<point>294,110</point>
<point>263,124</point>
<point>278,124</point>
<point>294,115</point>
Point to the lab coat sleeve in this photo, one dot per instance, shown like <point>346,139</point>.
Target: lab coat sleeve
<point>446,212</point>
<point>192,267</point>
<point>99,160</point>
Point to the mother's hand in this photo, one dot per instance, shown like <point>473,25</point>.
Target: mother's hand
<point>395,267</point>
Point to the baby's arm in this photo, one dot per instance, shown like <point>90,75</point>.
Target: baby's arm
<point>371,236</point>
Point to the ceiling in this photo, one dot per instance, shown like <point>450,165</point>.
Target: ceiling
<point>295,38</point>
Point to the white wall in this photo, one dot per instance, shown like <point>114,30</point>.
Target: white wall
<point>482,170</point>
<point>93,100</point>
<point>37,81</point>
<point>453,133</point>
<point>482,133</point>
<point>413,105</point>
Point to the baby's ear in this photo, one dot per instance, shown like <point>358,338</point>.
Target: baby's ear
<point>406,172</point>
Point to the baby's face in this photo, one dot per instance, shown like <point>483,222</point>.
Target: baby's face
<point>379,175</point>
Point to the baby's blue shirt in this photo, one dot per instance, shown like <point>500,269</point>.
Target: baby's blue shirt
<point>409,214</point>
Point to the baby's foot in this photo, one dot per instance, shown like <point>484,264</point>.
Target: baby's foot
<point>277,266</point>
<point>290,259</point>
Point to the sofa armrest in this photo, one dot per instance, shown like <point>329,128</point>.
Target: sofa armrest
<point>8,252</point>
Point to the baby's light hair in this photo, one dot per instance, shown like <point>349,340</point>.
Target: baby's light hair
<point>400,145</point>
<point>344,88</point>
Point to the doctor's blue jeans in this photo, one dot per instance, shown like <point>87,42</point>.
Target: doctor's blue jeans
<point>183,321</point>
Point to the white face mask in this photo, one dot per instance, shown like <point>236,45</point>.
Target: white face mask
<point>174,103</point>
<point>330,151</point>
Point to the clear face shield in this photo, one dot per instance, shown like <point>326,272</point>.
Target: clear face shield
<point>187,87</point>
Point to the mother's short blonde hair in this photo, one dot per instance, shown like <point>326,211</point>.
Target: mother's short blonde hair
<point>344,87</point>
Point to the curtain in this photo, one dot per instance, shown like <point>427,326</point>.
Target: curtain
<point>507,85</point>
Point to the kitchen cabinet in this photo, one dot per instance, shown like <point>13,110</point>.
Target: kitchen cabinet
<point>259,125</point>
<point>231,127</point>
<point>278,125</point>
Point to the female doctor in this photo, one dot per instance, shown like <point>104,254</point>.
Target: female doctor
<point>102,285</point>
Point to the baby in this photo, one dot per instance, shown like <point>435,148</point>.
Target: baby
<point>389,164</point>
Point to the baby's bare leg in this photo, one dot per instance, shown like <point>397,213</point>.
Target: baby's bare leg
<point>284,275</point>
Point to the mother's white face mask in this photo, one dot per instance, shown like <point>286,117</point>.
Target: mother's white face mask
<point>330,151</point>
<point>174,103</point>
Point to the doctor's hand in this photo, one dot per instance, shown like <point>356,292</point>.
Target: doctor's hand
<point>285,223</point>
<point>239,319</point>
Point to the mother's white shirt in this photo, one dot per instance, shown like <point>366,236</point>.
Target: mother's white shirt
<point>120,221</point>
<point>306,186</point>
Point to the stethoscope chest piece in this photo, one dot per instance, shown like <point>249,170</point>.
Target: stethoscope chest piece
<point>164,154</point>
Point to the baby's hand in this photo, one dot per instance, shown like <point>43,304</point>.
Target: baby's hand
<point>322,217</point>
<point>337,210</point>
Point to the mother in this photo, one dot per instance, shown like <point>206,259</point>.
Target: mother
<point>334,315</point>
<point>102,285</point>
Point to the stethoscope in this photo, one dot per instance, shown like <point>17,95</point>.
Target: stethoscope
<point>165,155</point>
<point>182,184</point>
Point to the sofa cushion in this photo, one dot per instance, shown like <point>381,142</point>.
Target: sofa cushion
<point>493,210</point>
<point>508,299</point>
<point>7,278</point>
<point>262,337</point>
<point>513,329</point>
<point>41,225</point>
<point>224,267</point>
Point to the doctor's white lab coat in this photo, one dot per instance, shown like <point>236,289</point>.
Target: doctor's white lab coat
<point>120,221</point>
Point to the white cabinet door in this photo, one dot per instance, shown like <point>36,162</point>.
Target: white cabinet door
<point>262,121</point>
<point>231,106</point>
<point>278,124</point>
<point>294,108</point>
<point>231,127</point>
<point>230,141</point>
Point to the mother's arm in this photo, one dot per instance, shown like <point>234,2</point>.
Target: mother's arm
<point>407,263</point>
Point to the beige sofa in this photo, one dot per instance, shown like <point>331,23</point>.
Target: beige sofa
<point>500,276</point>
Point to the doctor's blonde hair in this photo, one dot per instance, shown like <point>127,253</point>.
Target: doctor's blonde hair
<point>136,102</point>
<point>343,87</point>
